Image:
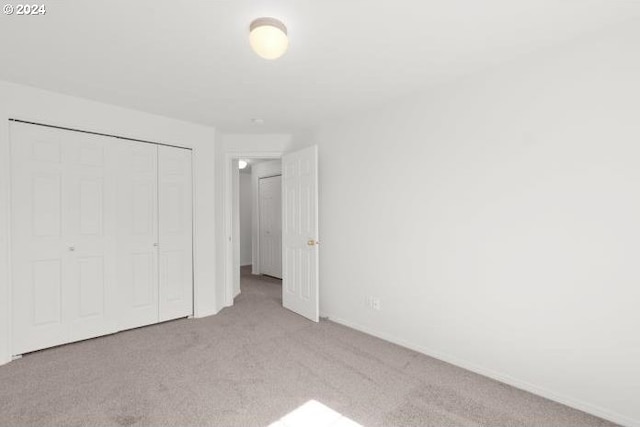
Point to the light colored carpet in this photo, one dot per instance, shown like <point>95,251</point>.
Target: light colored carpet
<point>251,365</point>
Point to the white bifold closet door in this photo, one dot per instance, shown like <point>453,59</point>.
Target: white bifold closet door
<point>63,237</point>
<point>138,233</point>
<point>155,233</point>
<point>176,233</point>
<point>101,235</point>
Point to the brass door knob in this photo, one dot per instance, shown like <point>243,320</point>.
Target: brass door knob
<point>312,242</point>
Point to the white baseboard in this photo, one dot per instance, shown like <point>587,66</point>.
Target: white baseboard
<point>206,313</point>
<point>507,379</point>
<point>237,293</point>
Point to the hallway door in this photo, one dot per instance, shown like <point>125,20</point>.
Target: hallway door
<point>270,211</point>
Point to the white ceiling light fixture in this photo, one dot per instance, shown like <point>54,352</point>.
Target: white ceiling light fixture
<point>268,38</point>
<point>242,164</point>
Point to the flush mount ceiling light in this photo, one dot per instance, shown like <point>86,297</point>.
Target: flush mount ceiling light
<point>268,38</point>
<point>242,164</point>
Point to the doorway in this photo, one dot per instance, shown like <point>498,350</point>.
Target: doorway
<point>258,213</point>
<point>298,233</point>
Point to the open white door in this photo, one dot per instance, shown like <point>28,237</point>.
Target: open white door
<point>300,292</point>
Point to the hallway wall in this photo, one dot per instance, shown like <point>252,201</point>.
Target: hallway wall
<point>246,213</point>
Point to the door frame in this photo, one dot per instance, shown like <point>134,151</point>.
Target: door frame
<point>227,208</point>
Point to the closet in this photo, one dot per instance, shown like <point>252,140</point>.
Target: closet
<point>101,235</point>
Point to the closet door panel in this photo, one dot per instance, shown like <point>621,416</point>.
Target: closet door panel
<point>175,231</point>
<point>90,223</point>
<point>39,264</point>
<point>62,223</point>
<point>138,234</point>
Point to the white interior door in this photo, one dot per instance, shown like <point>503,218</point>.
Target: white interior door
<point>63,226</point>
<point>300,285</point>
<point>270,211</point>
<point>175,233</point>
<point>138,233</point>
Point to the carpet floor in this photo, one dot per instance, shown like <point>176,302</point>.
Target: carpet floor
<point>257,364</point>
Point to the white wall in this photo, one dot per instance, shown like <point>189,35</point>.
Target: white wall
<point>25,103</point>
<point>245,217</point>
<point>498,220</point>
<point>261,170</point>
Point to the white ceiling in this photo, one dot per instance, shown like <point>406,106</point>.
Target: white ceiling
<point>191,59</point>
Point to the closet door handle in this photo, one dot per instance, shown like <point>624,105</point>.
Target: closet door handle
<point>155,245</point>
<point>72,248</point>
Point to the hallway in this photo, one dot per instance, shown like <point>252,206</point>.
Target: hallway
<point>258,289</point>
